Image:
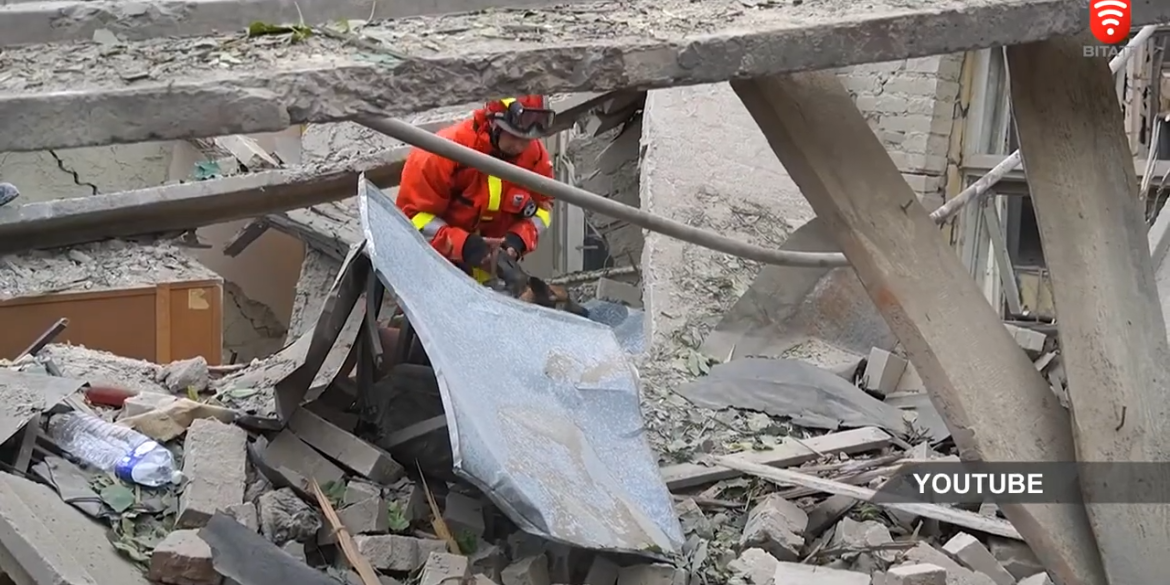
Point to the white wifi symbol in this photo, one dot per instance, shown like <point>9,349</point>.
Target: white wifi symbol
<point>1108,13</point>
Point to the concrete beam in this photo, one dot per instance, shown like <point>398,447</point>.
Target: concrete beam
<point>996,405</point>
<point>1112,331</point>
<point>58,96</point>
<point>49,21</point>
<point>65,222</point>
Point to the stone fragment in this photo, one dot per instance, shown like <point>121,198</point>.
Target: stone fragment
<point>619,292</point>
<point>182,375</point>
<point>956,573</point>
<point>693,519</point>
<point>531,570</point>
<point>300,462</point>
<point>798,574</point>
<point>1037,579</point>
<point>215,463</point>
<point>445,569</point>
<point>755,564</point>
<point>285,517</point>
<point>972,554</point>
<point>1015,556</point>
<point>480,579</point>
<point>464,514</point>
<point>1031,341</point>
<point>775,525</point>
<point>489,560</point>
<point>602,571</point>
<point>182,558</point>
<point>521,544</point>
<point>657,574</point>
<point>883,370</point>
<point>366,517</point>
<point>360,491</point>
<point>827,513</point>
<point>853,534</point>
<point>245,514</point>
<point>357,455</point>
<point>393,552</point>
<point>921,574</point>
<point>295,549</point>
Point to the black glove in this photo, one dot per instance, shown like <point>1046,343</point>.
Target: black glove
<point>475,251</point>
<point>515,242</point>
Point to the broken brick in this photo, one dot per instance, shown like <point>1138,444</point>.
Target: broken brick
<point>394,552</point>
<point>464,514</point>
<point>1015,556</point>
<point>360,491</point>
<point>357,455</point>
<point>489,560</point>
<point>368,517</point>
<point>215,463</point>
<point>757,565</point>
<point>1037,579</point>
<point>657,574</point>
<point>144,403</point>
<point>883,370</point>
<point>956,573</point>
<point>245,514</point>
<point>920,574</point>
<point>798,574</point>
<point>185,375</point>
<point>972,554</point>
<point>531,570</point>
<point>295,549</point>
<point>445,569</point>
<point>300,462</point>
<point>775,525</point>
<point>182,558</point>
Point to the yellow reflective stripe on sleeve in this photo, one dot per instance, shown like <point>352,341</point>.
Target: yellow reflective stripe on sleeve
<point>428,224</point>
<point>495,193</point>
<point>481,276</point>
<point>541,220</point>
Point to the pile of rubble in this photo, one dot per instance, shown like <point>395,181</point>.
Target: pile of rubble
<point>314,495</point>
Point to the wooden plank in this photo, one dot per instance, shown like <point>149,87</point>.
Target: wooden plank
<point>265,87</point>
<point>1007,273</point>
<point>1112,331</point>
<point>996,405</point>
<point>162,323</point>
<point>27,441</point>
<point>828,486</point>
<point>790,452</point>
<point>245,237</point>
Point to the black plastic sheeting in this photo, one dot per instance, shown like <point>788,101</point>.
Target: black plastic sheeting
<point>542,405</point>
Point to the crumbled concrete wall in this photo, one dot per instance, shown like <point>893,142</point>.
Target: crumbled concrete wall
<point>718,172</point>
<point>317,275</point>
<point>250,329</point>
<point>608,165</point>
<point>78,172</point>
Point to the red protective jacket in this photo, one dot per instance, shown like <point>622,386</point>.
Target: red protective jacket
<point>447,201</point>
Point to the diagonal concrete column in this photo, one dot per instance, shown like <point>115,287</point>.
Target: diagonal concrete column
<point>996,404</point>
<point>1112,331</point>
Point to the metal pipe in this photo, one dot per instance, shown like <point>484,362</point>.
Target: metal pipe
<point>407,133</point>
<point>980,188</point>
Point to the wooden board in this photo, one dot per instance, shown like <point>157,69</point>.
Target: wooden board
<point>160,323</point>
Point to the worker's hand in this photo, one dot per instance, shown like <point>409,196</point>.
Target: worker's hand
<point>493,244</point>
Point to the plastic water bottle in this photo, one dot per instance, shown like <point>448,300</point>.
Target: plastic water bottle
<point>128,454</point>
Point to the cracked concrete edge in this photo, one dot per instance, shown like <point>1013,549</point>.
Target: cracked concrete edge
<point>273,100</point>
<point>52,21</point>
<point>64,222</point>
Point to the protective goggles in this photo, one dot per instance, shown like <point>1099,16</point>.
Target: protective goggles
<point>526,122</point>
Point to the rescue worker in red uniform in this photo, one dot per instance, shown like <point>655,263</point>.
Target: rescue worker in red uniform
<point>467,215</point>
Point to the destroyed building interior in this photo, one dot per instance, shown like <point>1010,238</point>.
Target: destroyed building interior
<point>792,254</point>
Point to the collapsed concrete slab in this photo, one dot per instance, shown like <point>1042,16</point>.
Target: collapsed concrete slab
<point>54,543</point>
<point>39,22</point>
<point>83,94</point>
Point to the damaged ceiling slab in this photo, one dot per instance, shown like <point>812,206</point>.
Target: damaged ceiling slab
<point>71,95</point>
<point>546,418</point>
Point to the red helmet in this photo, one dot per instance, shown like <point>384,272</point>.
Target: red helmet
<point>526,116</point>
